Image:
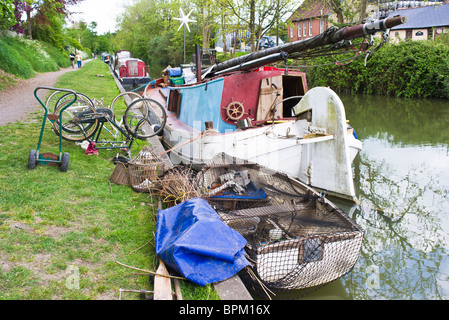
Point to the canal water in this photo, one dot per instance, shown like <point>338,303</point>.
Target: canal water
<point>402,182</point>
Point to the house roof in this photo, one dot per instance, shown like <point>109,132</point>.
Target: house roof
<point>424,17</point>
<point>310,9</point>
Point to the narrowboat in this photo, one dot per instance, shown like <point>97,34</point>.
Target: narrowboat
<point>267,115</point>
<point>130,71</point>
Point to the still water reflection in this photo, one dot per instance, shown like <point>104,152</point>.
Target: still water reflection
<point>402,181</point>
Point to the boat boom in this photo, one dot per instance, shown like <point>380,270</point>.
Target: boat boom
<point>332,35</point>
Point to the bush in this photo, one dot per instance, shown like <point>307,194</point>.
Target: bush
<point>411,69</point>
<point>59,57</point>
<point>12,61</point>
<point>23,57</point>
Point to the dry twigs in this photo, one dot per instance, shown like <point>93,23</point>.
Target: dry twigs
<point>150,272</point>
<point>177,185</point>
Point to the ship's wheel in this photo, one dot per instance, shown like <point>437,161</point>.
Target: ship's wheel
<point>235,110</point>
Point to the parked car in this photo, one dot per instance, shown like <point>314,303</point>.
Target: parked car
<point>268,42</point>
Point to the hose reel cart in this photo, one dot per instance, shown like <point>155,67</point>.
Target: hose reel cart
<point>48,158</point>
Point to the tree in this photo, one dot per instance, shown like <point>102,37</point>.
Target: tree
<point>347,10</point>
<point>206,16</point>
<point>41,12</point>
<point>145,21</point>
<point>7,18</point>
<point>259,15</point>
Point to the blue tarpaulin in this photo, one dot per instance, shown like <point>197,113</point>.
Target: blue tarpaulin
<point>192,240</point>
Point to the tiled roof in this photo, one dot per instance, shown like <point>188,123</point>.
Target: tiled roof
<point>424,17</point>
<point>310,9</point>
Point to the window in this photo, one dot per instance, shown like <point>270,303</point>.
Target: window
<point>133,69</point>
<point>408,34</point>
<point>304,25</point>
<point>310,27</point>
<point>321,25</point>
<point>299,29</point>
<point>291,32</point>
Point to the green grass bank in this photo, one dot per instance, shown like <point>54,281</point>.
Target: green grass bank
<point>62,233</point>
<point>23,58</point>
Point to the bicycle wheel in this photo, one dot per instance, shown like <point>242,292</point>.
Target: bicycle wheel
<point>79,120</point>
<point>143,116</point>
<point>58,97</point>
<point>53,98</point>
<point>122,101</point>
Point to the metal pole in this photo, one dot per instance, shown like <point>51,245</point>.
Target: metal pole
<point>184,43</point>
<point>198,63</point>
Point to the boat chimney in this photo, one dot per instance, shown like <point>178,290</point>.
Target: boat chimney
<point>209,125</point>
<point>198,63</point>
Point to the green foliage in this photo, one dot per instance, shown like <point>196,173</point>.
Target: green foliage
<point>52,32</point>
<point>6,14</point>
<point>61,58</point>
<point>23,57</point>
<point>74,43</point>
<point>168,49</point>
<point>149,31</point>
<point>411,69</point>
<point>12,60</point>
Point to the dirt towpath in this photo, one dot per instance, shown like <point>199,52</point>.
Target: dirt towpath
<point>19,101</point>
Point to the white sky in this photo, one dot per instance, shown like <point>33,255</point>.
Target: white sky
<point>104,12</point>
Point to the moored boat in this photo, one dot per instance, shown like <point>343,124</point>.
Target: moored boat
<point>296,238</point>
<point>130,71</point>
<point>266,115</point>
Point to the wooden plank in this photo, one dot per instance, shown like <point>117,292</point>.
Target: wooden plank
<point>162,285</point>
<point>177,286</point>
<point>232,289</point>
<point>270,93</point>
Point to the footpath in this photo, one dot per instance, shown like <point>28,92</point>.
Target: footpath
<point>19,101</point>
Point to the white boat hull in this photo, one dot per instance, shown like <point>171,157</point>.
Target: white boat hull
<point>318,153</point>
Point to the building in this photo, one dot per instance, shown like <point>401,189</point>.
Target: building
<point>309,20</point>
<point>425,19</point>
<point>385,7</point>
<point>423,23</point>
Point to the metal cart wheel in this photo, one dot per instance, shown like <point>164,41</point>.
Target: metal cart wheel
<point>32,159</point>
<point>64,162</point>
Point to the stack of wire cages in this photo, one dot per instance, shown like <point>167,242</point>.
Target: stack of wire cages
<point>296,238</point>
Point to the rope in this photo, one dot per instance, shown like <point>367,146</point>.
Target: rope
<point>189,141</point>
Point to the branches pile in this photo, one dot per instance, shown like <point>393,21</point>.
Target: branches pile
<point>177,185</point>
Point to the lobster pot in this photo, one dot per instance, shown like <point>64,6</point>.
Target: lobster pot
<point>212,178</point>
<point>296,238</point>
<point>297,246</point>
<point>120,175</point>
<point>144,170</point>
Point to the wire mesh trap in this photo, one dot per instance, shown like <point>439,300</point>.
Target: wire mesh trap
<point>295,237</point>
<point>144,170</point>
